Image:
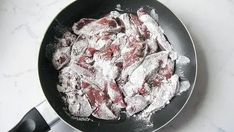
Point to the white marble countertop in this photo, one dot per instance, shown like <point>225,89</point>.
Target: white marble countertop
<point>211,23</point>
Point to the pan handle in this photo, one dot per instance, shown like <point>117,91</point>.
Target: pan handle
<point>39,119</point>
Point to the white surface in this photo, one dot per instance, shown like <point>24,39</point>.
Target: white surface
<point>211,23</point>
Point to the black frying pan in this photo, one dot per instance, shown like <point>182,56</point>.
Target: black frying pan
<point>176,33</point>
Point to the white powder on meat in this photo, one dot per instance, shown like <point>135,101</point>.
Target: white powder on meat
<point>118,61</point>
<point>109,71</point>
<point>118,7</point>
<point>182,60</point>
<point>184,86</point>
<point>150,63</point>
<point>154,15</point>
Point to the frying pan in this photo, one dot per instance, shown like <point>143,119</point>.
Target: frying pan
<point>41,118</point>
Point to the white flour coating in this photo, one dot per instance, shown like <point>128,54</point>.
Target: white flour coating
<point>138,76</point>
<point>182,60</point>
<point>150,23</point>
<point>79,106</point>
<point>61,57</point>
<point>154,15</point>
<point>159,98</point>
<point>118,7</point>
<point>135,104</point>
<point>162,95</point>
<point>180,71</point>
<point>120,61</point>
<point>108,70</point>
<point>184,86</point>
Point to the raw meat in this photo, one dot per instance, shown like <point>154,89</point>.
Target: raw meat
<point>118,62</point>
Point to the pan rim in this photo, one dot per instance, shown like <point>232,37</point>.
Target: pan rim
<point>196,68</point>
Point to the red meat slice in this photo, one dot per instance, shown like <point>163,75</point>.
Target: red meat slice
<point>86,63</point>
<point>67,40</point>
<point>155,80</point>
<point>130,29</point>
<point>133,58</point>
<point>142,29</point>
<point>135,104</point>
<point>96,96</point>
<point>110,51</point>
<point>81,23</point>
<point>68,80</point>
<point>90,52</point>
<point>98,100</point>
<point>115,94</point>
<point>61,57</point>
<point>103,25</point>
<point>104,112</point>
<point>144,90</point>
<point>164,72</point>
<point>168,70</point>
<point>79,106</point>
<point>101,40</point>
<point>151,25</point>
<point>138,51</point>
<point>107,22</point>
<point>79,47</point>
<point>84,84</point>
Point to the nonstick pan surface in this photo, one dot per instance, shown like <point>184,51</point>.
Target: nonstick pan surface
<point>176,34</point>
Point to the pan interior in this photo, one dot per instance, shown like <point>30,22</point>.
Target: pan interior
<point>174,30</point>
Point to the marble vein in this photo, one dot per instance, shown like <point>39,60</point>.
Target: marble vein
<point>18,74</point>
<point>25,27</point>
